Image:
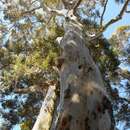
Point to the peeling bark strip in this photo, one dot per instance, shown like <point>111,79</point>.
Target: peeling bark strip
<point>44,118</point>
<point>82,93</point>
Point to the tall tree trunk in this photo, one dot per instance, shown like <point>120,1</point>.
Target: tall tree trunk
<point>84,103</point>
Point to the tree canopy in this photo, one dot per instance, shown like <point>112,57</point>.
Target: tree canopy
<point>29,49</point>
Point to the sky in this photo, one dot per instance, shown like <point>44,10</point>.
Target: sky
<point>112,11</point>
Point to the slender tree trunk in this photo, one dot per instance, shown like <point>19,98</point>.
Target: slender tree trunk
<point>45,116</point>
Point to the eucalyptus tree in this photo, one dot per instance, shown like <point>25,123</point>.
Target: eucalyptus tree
<point>58,46</point>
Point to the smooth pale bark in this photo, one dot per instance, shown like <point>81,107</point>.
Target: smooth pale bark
<point>44,118</point>
<point>84,101</point>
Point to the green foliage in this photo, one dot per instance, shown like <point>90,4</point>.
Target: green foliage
<point>119,39</point>
<point>25,125</point>
<point>104,54</point>
<point>28,50</point>
<point>123,28</point>
<point>52,3</point>
<point>27,56</point>
<point>41,57</point>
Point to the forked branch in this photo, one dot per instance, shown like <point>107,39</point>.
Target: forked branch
<point>118,17</point>
<point>104,9</point>
<point>77,5</point>
<point>112,21</point>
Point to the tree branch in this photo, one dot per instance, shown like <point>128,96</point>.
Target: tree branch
<point>62,12</point>
<point>118,17</point>
<point>35,88</point>
<point>3,2</point>
<point>76,5</point>
<point>24,90</point>
<point>32,10</point>
<point>114,20</point>
<point>127,11</point>
<point>26,12</point>
<point>31,89</point>
<point>124,99</point>
<point>101,20</point>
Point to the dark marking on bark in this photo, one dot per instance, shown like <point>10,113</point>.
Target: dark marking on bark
<point>100,92</point>
<point>88,111</point>
<point>80,67</point>
<point>69,118</point>
<point>67,93</point>
<point>67,128</point>
<point>74,37</point>
<point>87,127</point>
<point>64,122</point>
<point>110,111</point>
<point>94,115</point>
<point>81,123</point>
<point>59,62</point>
<point>106,104</point>
<point>89,69</point>
<point>99,108</point>
<point>45,110</point>
<point>77,121</point>
<point>91,92</point>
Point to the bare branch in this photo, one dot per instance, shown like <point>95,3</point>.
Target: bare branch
<point>101,20</point>
<point>31,89</point>
<point>62,12</point>
<point>32,10</point>
<point>114,20</point>
<point>127,11</point>
<point>3,2</point>
<point>126,100</point>
<point>23,13</point>
<point>118,17</point>
<point>24,90</point>
<point>77,5</point>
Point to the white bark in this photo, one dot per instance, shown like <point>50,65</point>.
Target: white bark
<point>44,118</point>
<point>84,104</point>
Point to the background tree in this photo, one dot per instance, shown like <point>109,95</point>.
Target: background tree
<point>28,32</point>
